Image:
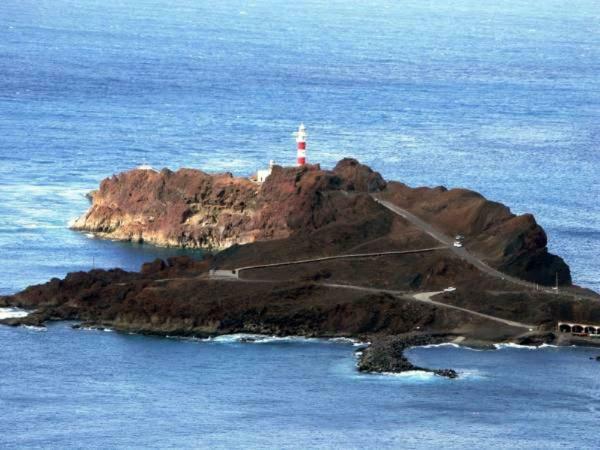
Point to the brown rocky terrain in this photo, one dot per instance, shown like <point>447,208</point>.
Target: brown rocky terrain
<point>513,244</point>
<point>191,208</point>
<point>368,272</point>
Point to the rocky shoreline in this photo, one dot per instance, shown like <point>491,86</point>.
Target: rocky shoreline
<point>316,253</point>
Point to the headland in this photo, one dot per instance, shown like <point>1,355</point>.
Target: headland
<point>321,253</point>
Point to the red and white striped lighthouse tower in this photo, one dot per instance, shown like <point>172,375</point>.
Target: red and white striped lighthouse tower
<point>301,145</point>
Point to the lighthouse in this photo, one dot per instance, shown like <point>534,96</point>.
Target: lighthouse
<point>301,145</point>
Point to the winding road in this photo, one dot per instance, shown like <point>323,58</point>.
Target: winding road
<point>423,297</point>
<point>449,243</point>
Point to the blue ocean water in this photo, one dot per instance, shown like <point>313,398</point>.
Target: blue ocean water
<point>502,97</point>
<point>92,389</point>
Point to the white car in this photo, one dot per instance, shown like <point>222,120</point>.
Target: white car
<point>450,289</point>
<point>457,244</point>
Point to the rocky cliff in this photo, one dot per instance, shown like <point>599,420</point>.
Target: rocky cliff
<point>514,244</point>
<point>312,252</point>
<point>191,208</point>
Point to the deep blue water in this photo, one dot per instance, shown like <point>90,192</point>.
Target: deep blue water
<point>92,389</point>
<point>502,97</point>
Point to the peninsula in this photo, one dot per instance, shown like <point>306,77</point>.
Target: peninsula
<point>319,253</point>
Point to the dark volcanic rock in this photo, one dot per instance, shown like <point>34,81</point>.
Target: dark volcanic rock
<point>358,177</point>
<point>387,355</point>
<point>514,244</point>
<point>307,213</point>
<point>191,208</point>
<point>537,339</point>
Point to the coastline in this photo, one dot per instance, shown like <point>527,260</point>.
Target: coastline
<point>338,253</point>
<point>398,365</point>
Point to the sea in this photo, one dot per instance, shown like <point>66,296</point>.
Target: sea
<point>500,97</point>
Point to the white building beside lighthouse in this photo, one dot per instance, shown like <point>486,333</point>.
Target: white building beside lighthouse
<point>300,135</point>
<point>261,175</point>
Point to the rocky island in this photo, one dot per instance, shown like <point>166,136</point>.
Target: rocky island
<point>320,253</point>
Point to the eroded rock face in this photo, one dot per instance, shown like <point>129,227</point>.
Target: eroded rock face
<point>191,208</point>
<point>514,244</point>
<point>185,208</point>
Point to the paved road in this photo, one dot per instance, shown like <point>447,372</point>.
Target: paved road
<point>425,297</point>
<point>449,243</point>
<point>328,258</point>
<point>471,258</point>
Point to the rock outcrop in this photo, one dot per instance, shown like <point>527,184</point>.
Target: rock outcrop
<point>516,245</point>
<point>311,252</point>
<point>190,208</point>
<point>386,355</point>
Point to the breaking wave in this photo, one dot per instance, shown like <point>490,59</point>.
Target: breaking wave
<point>518,346</point>
<point>34,328</point>
<point>413,375</point>
<point>11,313</point>
<point>266,339</point>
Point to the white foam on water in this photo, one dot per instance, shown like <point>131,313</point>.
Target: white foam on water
<point>34,328</point>
<point>266,339</point>
<point>551,346</point>
<point>11,313</point>
<point>450,345</point>
<point>414,375</point>
<point>421,375</point>
<point>259,338</point>
<point>102,329</point>
<point>513,345</point>
<point>445,344</point>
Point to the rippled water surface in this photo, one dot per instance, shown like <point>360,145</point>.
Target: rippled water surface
<point>501,97</point>
<point>102,389</point>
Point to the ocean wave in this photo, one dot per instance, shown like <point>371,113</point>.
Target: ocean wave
<point>12,313</point>
<point>497,346</point>
<point>266,339</point>
<point>259,338</point>
<point>518,346</point>
<point>414,375</point>
<point>34,328</point>
<point>449,345</point>
<point>422,375</point>
<point>444,344</point>
<point>103,329</point>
